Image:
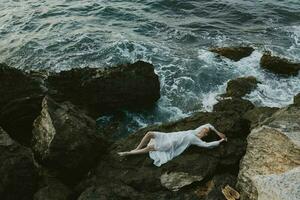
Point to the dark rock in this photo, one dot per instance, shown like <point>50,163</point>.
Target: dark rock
<point>54,190</point>
<point>113,126</point>
<point>100,91</point>
<point>279,65</point>
<point>20,102</point>
<point>18,172</point>
<point>240,87</point>
<point>235,104</point>
<point>110,191</point>
<point>219,182</point>
<point>233,53</point>
<point>212,190</point>
<point>65,140</point>
<point>297,100</point>
<point>16,84</point>
<point>258,114</point>
<point>18,115</point>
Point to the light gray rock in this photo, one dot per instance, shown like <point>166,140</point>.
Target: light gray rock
<point>279,186</point>
<point>176,180</point>
<point>272,155</point>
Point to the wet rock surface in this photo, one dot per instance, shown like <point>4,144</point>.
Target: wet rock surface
<point>18,172</point>
<point>65,140</point>
<point>239,87</point>
<point>234,104</point>
<point>100,91</point>
<point>279,65</point>
<point>233,53</point>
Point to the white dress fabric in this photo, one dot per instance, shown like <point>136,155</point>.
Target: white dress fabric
<point>169,145</point>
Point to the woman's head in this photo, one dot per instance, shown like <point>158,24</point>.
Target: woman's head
<point>204,132</point>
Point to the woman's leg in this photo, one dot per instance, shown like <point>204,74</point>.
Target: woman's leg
<point>138,151</point>
<point>148,136</point>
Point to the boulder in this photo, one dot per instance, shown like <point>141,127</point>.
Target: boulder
<point>20,103</point>
<point>65,140</point>
<point>17,118</point>
<point>270,167</point>
<point>240,87</point>
<point>233,53</point>
<point>279,65</point>
<point>104,91</point>
<point>238,105</point>
<point>18,172</point>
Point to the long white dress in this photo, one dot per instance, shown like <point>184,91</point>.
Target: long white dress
<point>169,145</point>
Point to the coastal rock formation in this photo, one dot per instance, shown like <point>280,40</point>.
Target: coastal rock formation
<point>65,140</point>
<point>16,84</point>
<point>17,170</point>
<point>20,102</point>
<point>139,175</point>
<point>279,65</point>
<point>234,104</point>
<point>270,167</point>
<point>257,115</point>
<point>18,115</point>
<point>233,53</point>
<point>232,99</point>
<point>99,91</point>
<point>240,87</point>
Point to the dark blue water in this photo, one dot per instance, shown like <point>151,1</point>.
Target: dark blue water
<point>174,35</point>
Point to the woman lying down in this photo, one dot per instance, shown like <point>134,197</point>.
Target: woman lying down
<point>163,147</point>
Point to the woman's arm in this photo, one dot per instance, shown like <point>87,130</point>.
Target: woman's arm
<point>200,143</point>
<point>221,135</point>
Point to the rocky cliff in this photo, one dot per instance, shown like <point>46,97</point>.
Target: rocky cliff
<point>270,168</point>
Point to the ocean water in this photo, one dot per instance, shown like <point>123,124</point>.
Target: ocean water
<point>173,35</point>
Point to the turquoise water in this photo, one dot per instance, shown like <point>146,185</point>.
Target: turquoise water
<point>173,35</point>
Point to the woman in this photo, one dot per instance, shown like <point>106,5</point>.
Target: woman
<point>162,147</point>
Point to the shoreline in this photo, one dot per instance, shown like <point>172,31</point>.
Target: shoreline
<point>49,121</point>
